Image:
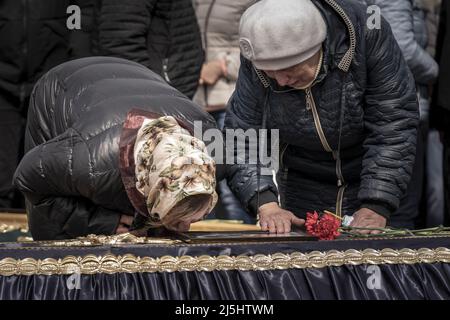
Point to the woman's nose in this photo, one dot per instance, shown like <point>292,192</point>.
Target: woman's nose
<point>282,79</point>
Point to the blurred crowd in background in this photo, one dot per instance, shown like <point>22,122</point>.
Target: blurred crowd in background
<point>194,46</point>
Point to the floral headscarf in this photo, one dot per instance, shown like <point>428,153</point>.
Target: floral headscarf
<point>171,165</point>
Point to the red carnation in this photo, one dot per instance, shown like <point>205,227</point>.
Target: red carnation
<point>325,227</point>
<point>311,222</point>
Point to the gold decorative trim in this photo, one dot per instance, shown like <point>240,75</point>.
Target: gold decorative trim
<point>128,263</point>
<point>93,240</point>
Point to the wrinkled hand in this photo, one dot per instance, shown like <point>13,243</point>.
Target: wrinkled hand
<point>124,224</point>
<point>276,220</point>
<point>366,218</point>
<point>213,71</point>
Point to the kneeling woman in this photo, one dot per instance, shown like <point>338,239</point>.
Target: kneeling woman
<point>109,146</point>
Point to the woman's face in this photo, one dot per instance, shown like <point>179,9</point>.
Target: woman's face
<point>298,76</point>
<point>183,223</point>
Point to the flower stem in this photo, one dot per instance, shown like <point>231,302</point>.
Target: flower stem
<point>333,214</point>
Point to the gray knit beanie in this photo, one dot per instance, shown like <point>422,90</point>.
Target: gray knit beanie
<point>277,34</point>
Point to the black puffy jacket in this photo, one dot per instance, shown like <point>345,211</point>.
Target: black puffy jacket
<point>70,176</point>
<point>366,107</point>
<point>33,39</point>
<point>160,34</point>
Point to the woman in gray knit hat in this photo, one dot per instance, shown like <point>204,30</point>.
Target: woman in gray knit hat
<point>344,102</point>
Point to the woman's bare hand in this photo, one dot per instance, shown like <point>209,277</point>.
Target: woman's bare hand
<point>212,72</point>
<point>274,219</point>
<point>366,218</point>
<point>124,224</point>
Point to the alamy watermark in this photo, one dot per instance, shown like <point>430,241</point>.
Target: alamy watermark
<point>73,282</point>
<point>73,22</point>
<point>238,146</point>
<point>374,19</point>
<point>374,280</point>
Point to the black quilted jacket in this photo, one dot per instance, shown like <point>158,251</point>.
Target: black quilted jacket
<point>160,34</point>
<point>369,88</point>
<point>70,175</point>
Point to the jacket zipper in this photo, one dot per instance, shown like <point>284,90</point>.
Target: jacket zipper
<point>282,155</point>
<point>340,183</point>
<point>346,61</point>
<point>344,65</point>
<point>311,105</point>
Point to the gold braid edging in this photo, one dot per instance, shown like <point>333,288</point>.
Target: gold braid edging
<point>128,263</point>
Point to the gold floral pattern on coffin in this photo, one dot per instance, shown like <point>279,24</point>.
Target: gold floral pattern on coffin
<point>128,263</point>
<point>101,240</point>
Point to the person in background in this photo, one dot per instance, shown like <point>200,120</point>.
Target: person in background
<point>407,21</point>
<point>33,39</point>
<point>432,9</point>
<point>434,201</point>
<point>163,35</point>
<point>219,26</point>
<point>440,112</point>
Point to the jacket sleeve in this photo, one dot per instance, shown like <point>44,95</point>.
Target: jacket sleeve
<point>400,16</point>
<point>123,29</point>
<point>58,190</point>
<point>390,119</point>
<point>244,111</point>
